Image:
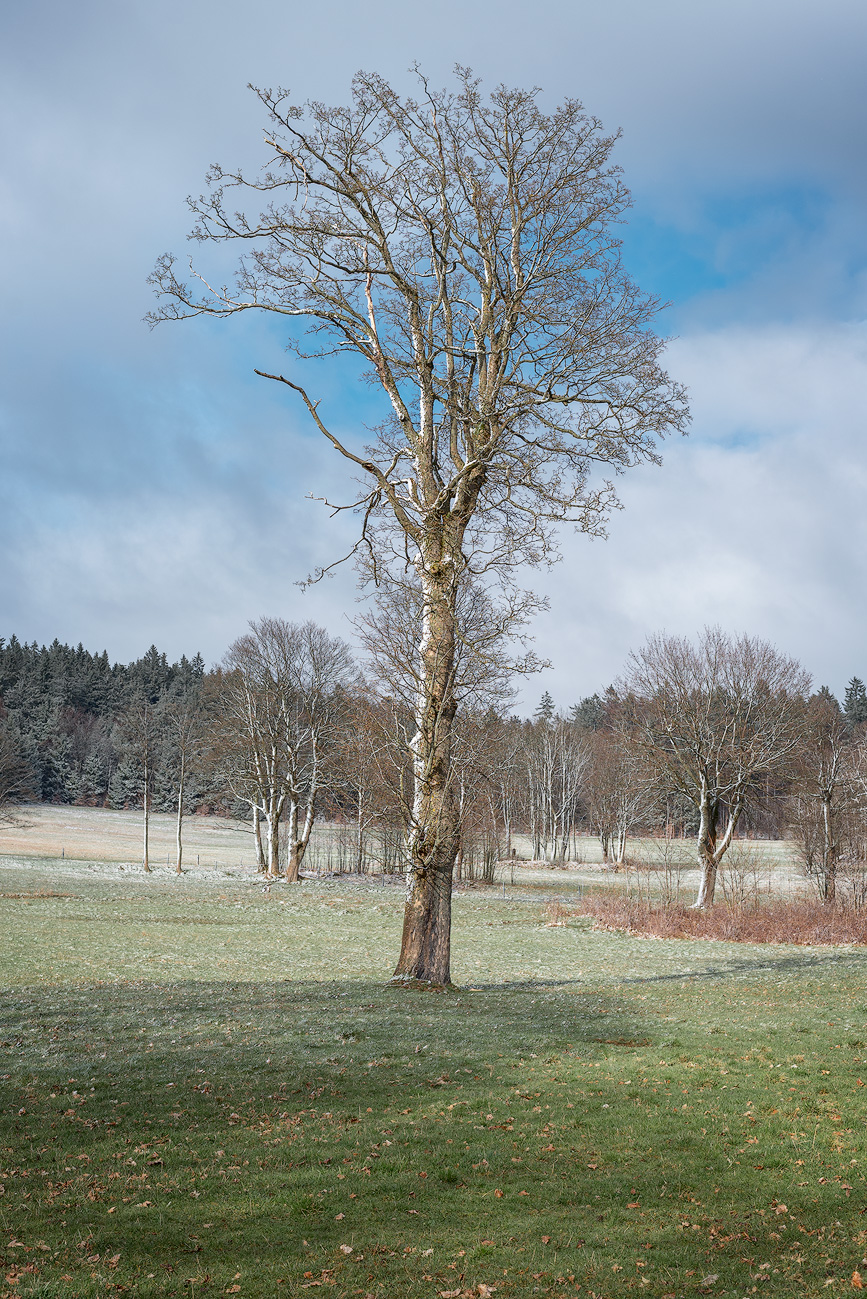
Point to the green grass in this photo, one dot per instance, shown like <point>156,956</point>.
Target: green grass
<point>206,1092</point>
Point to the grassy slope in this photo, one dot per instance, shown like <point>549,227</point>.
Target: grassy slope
<point>208,1092</point>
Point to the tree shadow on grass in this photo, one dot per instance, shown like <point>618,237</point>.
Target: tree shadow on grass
<point>309,1028</point>
<point>855,960</point>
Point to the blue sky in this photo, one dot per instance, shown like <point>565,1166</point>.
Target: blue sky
<point>152,489</point>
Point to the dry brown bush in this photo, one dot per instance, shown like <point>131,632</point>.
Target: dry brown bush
<point>801,922</point>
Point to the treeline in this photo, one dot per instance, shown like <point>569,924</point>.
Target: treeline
<point>717,739</point>
<point>64,721</point>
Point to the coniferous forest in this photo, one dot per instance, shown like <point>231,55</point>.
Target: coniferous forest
<point>64,714</point>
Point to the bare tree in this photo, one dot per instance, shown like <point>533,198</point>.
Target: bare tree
<point>614,789</point>
<point>139,724</point>
<point>185,724</point>
<point>827,795</point>
<point>555,757</point>
<point>462,250</point>
<point>714,717</point>
<point>283,705</point>
<point>17,784</point>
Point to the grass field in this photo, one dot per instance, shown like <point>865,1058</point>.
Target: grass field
<point>207,1091</point>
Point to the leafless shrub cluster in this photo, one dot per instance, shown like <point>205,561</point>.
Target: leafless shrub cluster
<point>799,922</point>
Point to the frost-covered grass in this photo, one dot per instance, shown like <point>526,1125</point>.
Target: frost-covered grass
<point>206,1088</point>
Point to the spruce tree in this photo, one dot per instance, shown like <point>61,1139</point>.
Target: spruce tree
<point>545,711</point>
<point>855,702</point>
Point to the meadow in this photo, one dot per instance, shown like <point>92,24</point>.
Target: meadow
<point>210,1090</point>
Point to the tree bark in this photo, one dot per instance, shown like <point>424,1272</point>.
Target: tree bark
<point>272,819</point>
<point>434,838</point>
<point>299,838</point>
<point>707,832</point>
<point>145,861</point>
<point>829,856</point>
<point>179,866</point>
<point>257,838</point>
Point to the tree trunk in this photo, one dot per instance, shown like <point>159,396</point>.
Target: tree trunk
<point>829,856</point>
<point>145,861</point>
<point>179,866</point>
<point>299,839</point>
<point>261,865</point>
<point>712,848</point>
<point>434,837</point>
<point>359,838</point>
<point>707,855</point>
<point>272,818</point>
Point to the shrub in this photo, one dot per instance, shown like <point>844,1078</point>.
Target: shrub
<point>774,921</point>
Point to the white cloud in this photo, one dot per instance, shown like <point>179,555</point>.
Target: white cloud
<point>756,522</point>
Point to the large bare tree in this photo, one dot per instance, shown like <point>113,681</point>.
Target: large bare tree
<point>462,249</point>
<point>715,717</point>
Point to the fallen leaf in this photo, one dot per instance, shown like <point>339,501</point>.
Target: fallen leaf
<point>485,1291</point>
<point>857,1283</point>
<point>709,1280</point>
<point>338,1216</point>
<point>499,1194</point>
<point>546,1240</point>
<point>346,1249</point>
<point>450,1294</point>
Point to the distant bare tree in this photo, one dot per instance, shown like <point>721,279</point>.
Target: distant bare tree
<point>555,760</point>
<point>828,799</point>
<point>283,706</point>
<point>614,790</point>
<point>139,725</point>
<point>462,249</point>
<point>714,717</point>
<point>17,784</point>
<point>186,726</point>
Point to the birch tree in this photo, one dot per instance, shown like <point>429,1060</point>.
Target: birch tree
<point>184,722</point>
<point>462,249</point>
<point>556,758</point>
<point>140,724</point>
<point>715,717</point>
<point>283,708</point>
